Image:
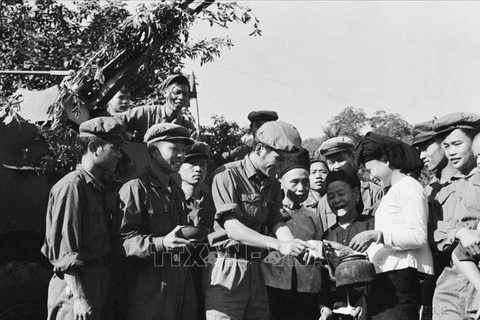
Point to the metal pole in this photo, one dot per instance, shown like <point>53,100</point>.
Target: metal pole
<point>61,73</point>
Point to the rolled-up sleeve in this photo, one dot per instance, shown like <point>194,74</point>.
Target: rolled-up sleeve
<point>224,197</point>
<point>63,228</point>
<point>131,201</point>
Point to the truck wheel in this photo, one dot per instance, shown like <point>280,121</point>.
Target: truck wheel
<point>23,291</point>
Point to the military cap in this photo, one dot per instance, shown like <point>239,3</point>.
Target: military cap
<point>198,149</point>
<point>175,78</point>
<point>262,115</point>
<point>422,132</point>
<point>107,128</point>
<point>335,145</point>
<point>280,136</point>
<point>167,132</point>
<point>457,120</point>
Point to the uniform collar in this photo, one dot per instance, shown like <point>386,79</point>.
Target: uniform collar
<point>90,179</point>
<point>155,181</point>
<point>457,175</point>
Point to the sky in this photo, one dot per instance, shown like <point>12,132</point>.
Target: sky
<point>315,58</point>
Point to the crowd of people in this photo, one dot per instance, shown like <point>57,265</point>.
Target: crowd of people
<point>278,220</point>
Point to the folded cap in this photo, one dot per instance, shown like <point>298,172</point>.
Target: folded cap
<point>457,120</point>
<point>280,136</point>
<point>297,160</point>
<point>167,132</point>
<point>262,115</point>
<point>422,132</point>
<point>107,128</point>
<point>175,78</point>
<point>198,149</point>
<point>335,145</point>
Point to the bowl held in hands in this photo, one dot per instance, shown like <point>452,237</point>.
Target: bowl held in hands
<point>193,232</point>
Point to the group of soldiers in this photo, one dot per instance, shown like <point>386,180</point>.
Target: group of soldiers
<point>275,198</point>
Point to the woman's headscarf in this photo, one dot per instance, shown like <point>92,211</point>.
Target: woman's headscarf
<point>399,154</point>
<point>349,175</point>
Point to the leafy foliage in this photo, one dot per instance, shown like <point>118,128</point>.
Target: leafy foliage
<point>46,35</point>
<point>223,136</point>
<point>94,37</point>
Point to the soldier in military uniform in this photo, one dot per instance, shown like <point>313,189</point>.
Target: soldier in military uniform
<point>337,152</point>
<point>248,200</point>
<point>151,211</point>
<point>176,90</point>
<point>77,238</point>
<point>435,161</point>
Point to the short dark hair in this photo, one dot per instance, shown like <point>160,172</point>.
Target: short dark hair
<point>84,142</point>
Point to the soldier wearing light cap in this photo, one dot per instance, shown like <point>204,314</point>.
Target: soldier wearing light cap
<point>435,161</point>
<point>455,295</point>
<point>77,238</point>
<point>176,90</point>
<point>337,152</point>
<point>151,211</point>
<point>248,200</point>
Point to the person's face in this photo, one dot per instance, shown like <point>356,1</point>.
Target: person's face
<point>296,184</point>
<point>120,102</point>
<point>256,125</point>
<point>476,149</point>
<point>193,170</point>
<point>169,155</point>
<point>270,161</point>
<point>318,173</point>
<point>380,171</point>
<point>432,155</point>
<point>336,160</point>
<point>107,156</point>
<point>342,199</point>
<point>177,96</point>
<point>458,149</point>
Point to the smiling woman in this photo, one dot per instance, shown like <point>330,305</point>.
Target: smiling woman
<point>398,246</point>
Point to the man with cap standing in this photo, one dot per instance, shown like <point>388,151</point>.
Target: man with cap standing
<point>176,90</point>
<point>337,152</point>
<point>435,161</point>
<point>200,208</point>
<point>256,118</point>
<point>455,296</point>
<point>248,200</point>
<point>150,213</point>
<point>77,240</point>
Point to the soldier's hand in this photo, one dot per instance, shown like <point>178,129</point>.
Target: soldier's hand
<point>294,247</point>
<point>82,310</point>
<point>470,240</point>
<point>174,243</point>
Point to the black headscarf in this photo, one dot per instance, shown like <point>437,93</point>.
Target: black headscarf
<point>399,154</point>
<point>349,175</point>
<point>300,159</point>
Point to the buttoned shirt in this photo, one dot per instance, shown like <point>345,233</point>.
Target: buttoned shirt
<point>201,209</point>
<point>77,226</point>
<point>305,225</point>
<point>460,202</point>
<point>148,210</point>
<point>140,119</point>
<point>241,192</point>
<point>371,195</point>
